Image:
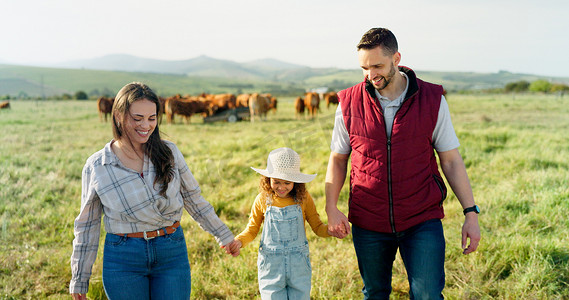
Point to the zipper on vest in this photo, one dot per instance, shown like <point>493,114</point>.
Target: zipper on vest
<point>389,188</point>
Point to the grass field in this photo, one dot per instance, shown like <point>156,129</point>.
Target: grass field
<point>515,148</point>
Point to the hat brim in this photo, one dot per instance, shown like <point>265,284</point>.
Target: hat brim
<point>294,177</point>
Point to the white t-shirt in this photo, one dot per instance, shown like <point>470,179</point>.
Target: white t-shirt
<point>444,137</point>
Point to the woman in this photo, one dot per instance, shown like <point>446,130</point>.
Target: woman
<point>141,183</point>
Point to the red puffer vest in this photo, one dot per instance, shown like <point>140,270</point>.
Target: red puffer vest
<point>394,183</point>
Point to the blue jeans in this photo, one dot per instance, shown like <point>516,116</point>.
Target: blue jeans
<point>134,268</point>
<point>422,249</point>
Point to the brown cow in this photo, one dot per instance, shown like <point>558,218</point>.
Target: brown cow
<point>162,102</point>
<point>184,107</point>
<point>202,106</point>
<point>330,98</point>
<point>206,107</point>
<point>258,106</point>
<point>273,104</point>
<point>242,100</point>
<point>221,102</point>
<point>105,106</point>
<point>299,107</point>
<point>312,103</point>
<point>5,104</point>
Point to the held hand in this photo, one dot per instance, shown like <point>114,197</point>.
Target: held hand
<point>338,225</point>
<point>233,248</point>
<point>79,296</point>
<point>330,233</point>
<point>470,230</point>
<point>236,247</point>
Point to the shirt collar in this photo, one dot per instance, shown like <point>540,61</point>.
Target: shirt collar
<point>397,101</point>
<point>109,157</point>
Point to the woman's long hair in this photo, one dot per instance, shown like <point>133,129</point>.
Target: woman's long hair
<point>298,192</point>
<point>158,152</point>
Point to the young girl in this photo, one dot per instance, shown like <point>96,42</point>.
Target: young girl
<point>283,205</point>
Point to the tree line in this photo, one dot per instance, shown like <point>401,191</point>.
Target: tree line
<point>79,95</point>
<point>538,86</point>
<point>521,86</point>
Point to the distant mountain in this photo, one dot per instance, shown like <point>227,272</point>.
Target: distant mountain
<point>211,67</point>
<point>269,69</point>
<point>199,66</point>
<point>115,62</point>
<point>105,75</point>
<point>270,64</point>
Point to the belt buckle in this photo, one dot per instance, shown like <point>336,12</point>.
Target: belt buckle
<point>146,237</point>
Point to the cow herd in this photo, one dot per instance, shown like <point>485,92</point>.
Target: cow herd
<point>210,104</point>
<point>311,103</point>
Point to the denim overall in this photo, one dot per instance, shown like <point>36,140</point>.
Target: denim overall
<point>284,262</point>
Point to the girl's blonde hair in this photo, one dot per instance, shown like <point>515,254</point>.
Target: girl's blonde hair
<point>298,192</point>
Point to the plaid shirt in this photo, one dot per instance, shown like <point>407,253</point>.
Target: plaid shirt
<point>131,203</point>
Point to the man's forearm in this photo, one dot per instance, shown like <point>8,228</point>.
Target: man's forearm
<point>455,173</point>
<point>335,177</point>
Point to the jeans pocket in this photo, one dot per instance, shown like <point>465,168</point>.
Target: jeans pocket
<point>271,266</point>
<point>306,259</point>
<point>300,263</point>
<point>114,239</point>
<point>263,262</point>
<point>308,264</point>
<point>176,236</point>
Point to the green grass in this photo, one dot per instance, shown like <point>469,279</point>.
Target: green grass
<point>515,150</point>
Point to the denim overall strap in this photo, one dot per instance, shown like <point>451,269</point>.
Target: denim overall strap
<point>283,228</point>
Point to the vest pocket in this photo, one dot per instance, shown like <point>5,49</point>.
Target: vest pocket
<point>442,188</point>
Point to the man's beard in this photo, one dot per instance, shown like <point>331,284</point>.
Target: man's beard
<point>386,80</point>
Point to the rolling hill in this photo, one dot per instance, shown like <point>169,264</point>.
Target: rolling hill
<point>105,75</point>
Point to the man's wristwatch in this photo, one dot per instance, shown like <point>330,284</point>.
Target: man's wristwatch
<point>474,208</point>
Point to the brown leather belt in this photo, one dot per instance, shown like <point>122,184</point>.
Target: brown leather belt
<point>148,235</point>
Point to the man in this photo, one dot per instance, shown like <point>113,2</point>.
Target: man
<point>390,124</point>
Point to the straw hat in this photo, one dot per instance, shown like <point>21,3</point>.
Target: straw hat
<point>284,163</point>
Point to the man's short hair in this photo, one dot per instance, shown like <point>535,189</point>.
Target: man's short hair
<point>376,37</point>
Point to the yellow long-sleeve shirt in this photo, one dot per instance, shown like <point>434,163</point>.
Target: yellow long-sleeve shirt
<point>259,208</point>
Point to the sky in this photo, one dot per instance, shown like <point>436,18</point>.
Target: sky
<point>488,36</point>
